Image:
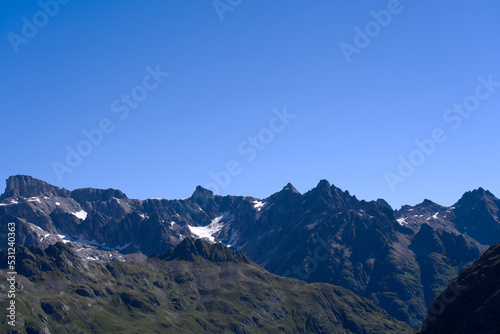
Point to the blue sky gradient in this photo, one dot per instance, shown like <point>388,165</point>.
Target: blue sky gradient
<point>353,120</point>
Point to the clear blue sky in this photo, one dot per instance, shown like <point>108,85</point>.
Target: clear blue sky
<point>353,119</point>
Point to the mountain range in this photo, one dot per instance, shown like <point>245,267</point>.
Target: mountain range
<point>399,260</point>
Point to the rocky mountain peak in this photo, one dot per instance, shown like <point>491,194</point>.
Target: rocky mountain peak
<point>480,192</point>
<point>323,184</point>
<point>474,196</point>
<point>288,196</point>
<point>201,192</point>
<point>478,215</point>
<point>383,204</point>
<point>329,196</point>
<point>290,188</point>
<point>27,186</point>
<point>427,202</point>
<point>190,249</point>
<point>323,190</point>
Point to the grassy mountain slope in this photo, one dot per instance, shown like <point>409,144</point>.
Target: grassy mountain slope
<point>195,288</point>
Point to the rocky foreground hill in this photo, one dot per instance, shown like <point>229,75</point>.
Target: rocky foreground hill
<point>471,303</point>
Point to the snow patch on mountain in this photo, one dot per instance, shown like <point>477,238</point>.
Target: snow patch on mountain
<point>258,205</point>
<point>402,221</point>
<point>34,199</point>
<point>209,231</point>
<point>80,214</point>
<point>12,201</point>
<point>64,238</point>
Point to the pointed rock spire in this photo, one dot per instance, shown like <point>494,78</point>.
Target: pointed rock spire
<point>291,188</point>
<point>201,192</point>
<point>323,184</point>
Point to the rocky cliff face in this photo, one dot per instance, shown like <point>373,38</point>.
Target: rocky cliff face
<point>399,259</point>
<point>27,186</point>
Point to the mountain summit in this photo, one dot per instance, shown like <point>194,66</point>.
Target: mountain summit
<point>201,192</point>
<point>27,186</point>
<point>478,215</point>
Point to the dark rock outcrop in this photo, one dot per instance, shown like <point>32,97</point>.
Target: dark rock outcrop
<point>471,303</point>
<point>190,249</point>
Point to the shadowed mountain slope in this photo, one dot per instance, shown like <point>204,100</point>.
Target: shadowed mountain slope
<point>471,303</point>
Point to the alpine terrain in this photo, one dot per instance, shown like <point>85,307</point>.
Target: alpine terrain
<point>397,259</point>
